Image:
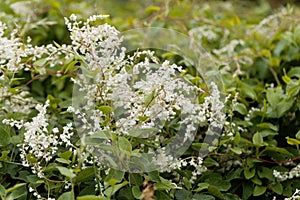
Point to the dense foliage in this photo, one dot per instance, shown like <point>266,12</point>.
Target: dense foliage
<point>66,85</point>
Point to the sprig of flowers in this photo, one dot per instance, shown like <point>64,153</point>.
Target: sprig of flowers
<point>40,144</point>
<point>282,176</point>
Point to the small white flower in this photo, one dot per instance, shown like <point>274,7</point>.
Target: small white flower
<point>73,17</point>
<point>31,189</point>
<point>55,130</point>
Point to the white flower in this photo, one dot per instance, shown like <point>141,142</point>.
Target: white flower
<point>73,17</point>
<point>31,189</point>
<point>55,130</point>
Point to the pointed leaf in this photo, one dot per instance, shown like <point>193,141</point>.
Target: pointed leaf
<point>257,139</point>
<point>66,196</point>
<point>259,190</point>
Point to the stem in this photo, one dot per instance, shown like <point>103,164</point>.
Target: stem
<point>275,76</point>
<point>277,163</point>
<point>51,72</point>
<point>257,151</point>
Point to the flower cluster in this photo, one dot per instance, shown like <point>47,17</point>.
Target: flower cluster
<point>208,32</point>
<point>40,144</point>
<point>17,56</point>
<point>295,196</point>
<point>282,176</point>
<point>135,96</point>
<point>98,44</point>
<point>13,50</point>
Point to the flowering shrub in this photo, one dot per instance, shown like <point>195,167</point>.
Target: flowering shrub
<point>84,118</point>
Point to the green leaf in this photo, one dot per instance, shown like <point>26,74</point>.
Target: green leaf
<point>20,193</point>
<point>17,139</point>
<point>143,118</point>
<point>183,194</point>
<point>247,91</point>
<point>164,184</point>
<point>31,158</point>
<point>222,185</point>
<point>154,176</point>
<point>65,104</point>
<point>62,160</point>
<point>277,150</point>
<point>56,44</point>
<point>187,183</point>
<point>144,132</point>
<point>277,188</point>
<point>4,134</point>
<point>266,173</point>
<point>200,146</point>
<point>125,194</point>
<point>215,191</point>
<point>115,174</point>
<point>236,150</point>
<point>284,106</point>
<point>286,79</point>
<point>65,155</point>
<point>274,62</point>
<point>241,108</point>
<point>266,125</point>
<point>4,156</point>
<point>234,174</point>
<point>203,197</point>
<point>88,190</point>
<point>135,179</point>
<point>168,55</point>
<point>274,96</point>
<point>279,102</point>
<point>113,189</point>
<point>105,109</point>
<point>41,62</point>
<point>266,133</point>
<point>257,139</point>
<point>71,65</point>
<point>162,195</point>
<point>152,9</point>
<point>91,197</point>
<point>293,88</point>
<point>247,190</point>
<point>259,190</point>
<point>209,162</point>
<point>150,99</point>
<point>124,144</point>
<point>15,187</point>
<point>292,141</point>
<point>298,135</point>
<point>66,172</point>
<point>2,191</point>
<point>294,72</point>
<point>229,196</point>
<point>202,186</point>
<point>85,175</point>
<point>249,173</point>
<point>251,162</point>
<point>265,52</point>
<point>66,196</point>
<point>256,180</point>
<point>136,192</point>
<point>112,182</point>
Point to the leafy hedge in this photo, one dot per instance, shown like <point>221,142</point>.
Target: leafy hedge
<point>256,55</point>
